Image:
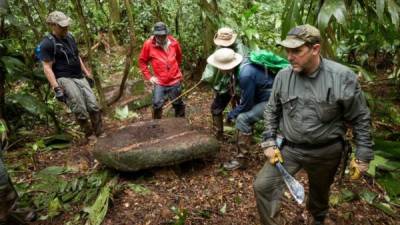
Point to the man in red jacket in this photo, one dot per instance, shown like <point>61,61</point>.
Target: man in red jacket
<point>164,54</point>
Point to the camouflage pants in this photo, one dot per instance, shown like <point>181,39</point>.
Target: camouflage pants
<point>80,97</point>
<point>320,164</point>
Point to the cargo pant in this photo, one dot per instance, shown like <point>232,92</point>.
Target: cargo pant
<point>320,164</point>
<point>80,97</point>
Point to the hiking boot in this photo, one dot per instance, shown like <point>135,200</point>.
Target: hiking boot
<point>232,164</point>
<point>244,142</point>
<point>218,126</point>
<point>179,111</point>
<point>157,114</point>
<point>321,220</point>
<point>85,126</point>
<point>97,123</point>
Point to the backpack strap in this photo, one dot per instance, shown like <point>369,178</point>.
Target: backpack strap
<point>53,40</point>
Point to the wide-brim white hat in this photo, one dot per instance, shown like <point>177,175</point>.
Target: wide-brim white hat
<point>225,37</point>
<point>225,59</point>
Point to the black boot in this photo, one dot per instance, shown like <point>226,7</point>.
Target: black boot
<point>179,111</point>
<point>157,113</point>
<point>97,123</point>
<point>218,126</point>
<point>85,126</point>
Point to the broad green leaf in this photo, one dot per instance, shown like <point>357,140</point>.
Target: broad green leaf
<point>380,7</point>
<point>52,171</point>
<point>14,67</point>
<point>386,208</point>
<point>139,189</point>
<point>394,11</point>
<point>390,181</point>
<point>223,209</point>
<point>98,210</point>
<point>30,104</point>
<point>124,113</point>
<point>346,195</point>
<point>54,208</point>
<point>368,196</point>
<point>378,160</point>
<point>331,8</point>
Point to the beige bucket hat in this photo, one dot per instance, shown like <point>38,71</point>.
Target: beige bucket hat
<point>225,59</point>
<point>59,18</point>
<point>225,37</point>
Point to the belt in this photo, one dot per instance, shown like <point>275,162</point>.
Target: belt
<point>312,146</point>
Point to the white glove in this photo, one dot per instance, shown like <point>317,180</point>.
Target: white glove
<point>154,80</point>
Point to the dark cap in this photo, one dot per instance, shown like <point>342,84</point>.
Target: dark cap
<point>160,29</point>
<point>300,35</point>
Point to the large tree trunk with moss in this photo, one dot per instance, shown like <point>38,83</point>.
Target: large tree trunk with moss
<point>129,55</point>
<point>154,143</point>
<point>115,18</point>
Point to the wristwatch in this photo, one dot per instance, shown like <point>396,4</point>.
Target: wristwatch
<point>268,143</point>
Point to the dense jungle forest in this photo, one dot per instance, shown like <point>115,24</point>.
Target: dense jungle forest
<point>64,183</point>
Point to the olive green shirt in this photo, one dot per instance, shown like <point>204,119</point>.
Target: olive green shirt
<point>313,109</point>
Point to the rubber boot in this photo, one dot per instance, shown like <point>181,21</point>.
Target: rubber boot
<point>179,111</point>
<point>157,114</point>
<point>97,123</point>
<point>218,126</point>
<point>85,126</point>
<point>244,142</point>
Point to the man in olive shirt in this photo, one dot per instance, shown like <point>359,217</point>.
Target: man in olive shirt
<point>310,103</point>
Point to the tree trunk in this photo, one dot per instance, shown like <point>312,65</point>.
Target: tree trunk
<point>88,40</point>
<point>27,13</point>
<point>3,6</point>
<point>129,55</point>
<point>2,92</point>
<point>115,18</point>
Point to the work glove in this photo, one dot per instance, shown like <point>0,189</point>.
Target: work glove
<point>60,96</point>
<point>90,81</point>
<point>273,154</point>
<point>154,80</point>
<point>357,168</point>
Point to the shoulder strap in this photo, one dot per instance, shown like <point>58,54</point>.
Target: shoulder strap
<point>53,40</point>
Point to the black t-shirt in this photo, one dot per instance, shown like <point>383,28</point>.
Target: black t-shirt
<point>66,57</point>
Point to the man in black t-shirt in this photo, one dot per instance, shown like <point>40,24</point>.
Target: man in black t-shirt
<point>66,74</point>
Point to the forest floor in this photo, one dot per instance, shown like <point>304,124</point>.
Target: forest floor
<point>194,192</point>
<point>200,191</point>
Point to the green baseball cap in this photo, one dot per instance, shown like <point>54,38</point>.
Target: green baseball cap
<point>59,18</point>
<point>300,35</point>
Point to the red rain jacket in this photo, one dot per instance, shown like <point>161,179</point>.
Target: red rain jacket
<point>165,64</point>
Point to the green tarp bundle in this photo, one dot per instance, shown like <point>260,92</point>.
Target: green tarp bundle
<point>269,60</point>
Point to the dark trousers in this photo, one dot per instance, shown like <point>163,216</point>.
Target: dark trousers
<point>221,101</point>
<point>320,164</point>
<point>161,93</point>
